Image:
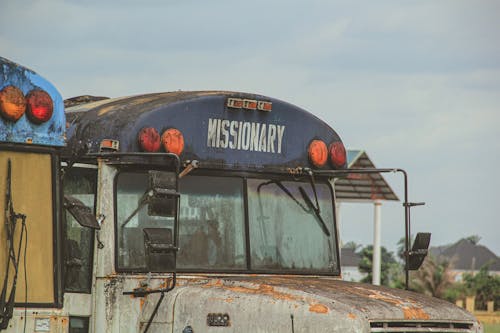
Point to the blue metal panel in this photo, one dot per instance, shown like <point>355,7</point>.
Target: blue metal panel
<point>50,133</point>
<point>215,134</point>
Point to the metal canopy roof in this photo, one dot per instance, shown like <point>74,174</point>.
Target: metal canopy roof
<point>362,187</point>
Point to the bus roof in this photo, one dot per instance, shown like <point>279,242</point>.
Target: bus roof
<point>220,129</point>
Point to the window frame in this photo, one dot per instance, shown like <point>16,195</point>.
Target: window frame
<point>92,232</point>
<point>244,176</point>
<point>334,231</point>
<point>132,169</point>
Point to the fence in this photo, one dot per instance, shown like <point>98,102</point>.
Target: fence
<point>490,316</point>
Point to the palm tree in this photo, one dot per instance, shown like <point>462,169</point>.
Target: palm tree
<point>434,277</point>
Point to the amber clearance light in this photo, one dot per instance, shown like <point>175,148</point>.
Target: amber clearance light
<point>12,103</point>
<point>173,141</point>
<point>318,153</point>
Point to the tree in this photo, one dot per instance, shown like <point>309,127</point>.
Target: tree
<point>434,278</point>
<point>352,245</point>
<point>388,263</point>
<point>486,287</point>
<point>474,239</point>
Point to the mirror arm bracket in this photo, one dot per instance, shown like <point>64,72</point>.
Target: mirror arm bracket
<point>189,166</point>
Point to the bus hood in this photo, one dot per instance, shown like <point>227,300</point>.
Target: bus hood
<point>300,304</point>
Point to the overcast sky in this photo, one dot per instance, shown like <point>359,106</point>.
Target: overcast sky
<point>414,83</point>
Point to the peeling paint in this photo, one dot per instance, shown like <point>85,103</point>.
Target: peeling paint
<point>142,301</point>
<point>318,308</point>
<point>110,292</point>
<point>415,313</point>
<point>264,290</point>
<point>347,304</point>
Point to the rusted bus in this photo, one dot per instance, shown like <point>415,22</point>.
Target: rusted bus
<point>217,213</point>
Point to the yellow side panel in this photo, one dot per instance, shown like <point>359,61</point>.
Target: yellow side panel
<point>31,188</point>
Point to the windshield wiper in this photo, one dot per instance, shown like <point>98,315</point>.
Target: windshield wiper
<point>307,199</point>
<point>315,209</point>
<point>286,191</point>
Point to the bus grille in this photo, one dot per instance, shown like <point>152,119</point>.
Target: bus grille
<point>420,326</point>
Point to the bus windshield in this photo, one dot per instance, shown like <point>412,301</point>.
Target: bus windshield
<point>285,233</point>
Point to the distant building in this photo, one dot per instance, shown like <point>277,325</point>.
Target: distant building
<point>363,188</point>
<point>349,264</point>
<point>467,257</point>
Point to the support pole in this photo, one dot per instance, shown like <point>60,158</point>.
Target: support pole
<point>376,261</point>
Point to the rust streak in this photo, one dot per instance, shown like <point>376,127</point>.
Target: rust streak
<point>142,301</point>
<point>415,313</point>
<point>318,308</point>
<point>352,315</point>
<point>386,298</point>
<point>263,289</point>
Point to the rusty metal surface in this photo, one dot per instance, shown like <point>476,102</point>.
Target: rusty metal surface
<point>276,304</point>
<point>368,301</point>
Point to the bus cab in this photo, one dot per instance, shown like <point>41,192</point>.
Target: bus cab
<point>215,212</point>
<point>32,134</point>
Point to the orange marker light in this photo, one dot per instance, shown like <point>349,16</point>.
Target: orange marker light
<point>40,106</point>
<point>173,141</point>
<point>235,103</point>
<point>264,106</point>
<point>109,145</point>
<point>337,154</point>
<point>12,103</point>
<point>318,153</point>
<point>250,104</point>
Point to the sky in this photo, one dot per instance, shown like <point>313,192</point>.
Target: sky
<point>416,84</point>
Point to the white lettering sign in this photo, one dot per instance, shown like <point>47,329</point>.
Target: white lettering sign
<point>243,135</point>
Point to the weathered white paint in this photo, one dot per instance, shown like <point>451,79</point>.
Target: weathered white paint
<point>243,135</point>
<point>377,225</point>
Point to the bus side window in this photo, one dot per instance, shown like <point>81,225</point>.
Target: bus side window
<point>79,183</point>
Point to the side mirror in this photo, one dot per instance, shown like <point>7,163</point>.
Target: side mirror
<point>82,213</point>
<point>163,195</point>
<point>160,249</point>
<point>419,250</point>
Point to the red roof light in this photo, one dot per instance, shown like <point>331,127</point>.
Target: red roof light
<point>40,106</point>
<point>149,140</point>
<point>338,155</point>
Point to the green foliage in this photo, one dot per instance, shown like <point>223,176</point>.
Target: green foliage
<point>352,245</point>
<point>389,266</point>
<point>491,328</point>
<point>485,286</point>
<point>474,239</point>
<point>434,278</point>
